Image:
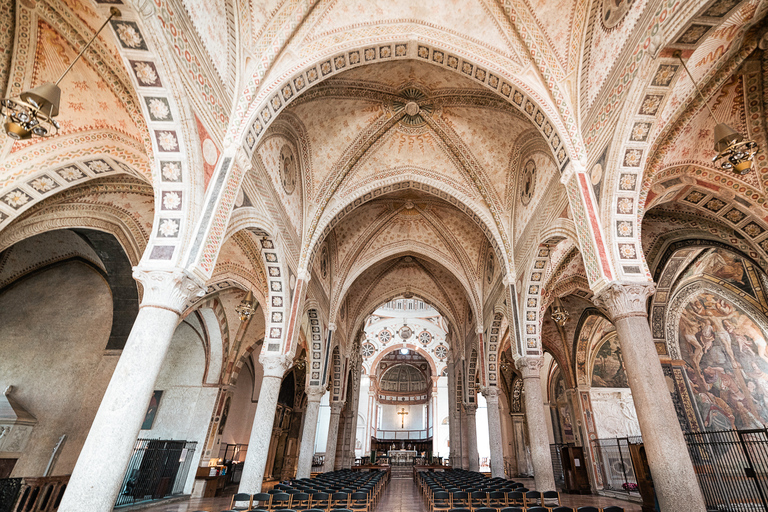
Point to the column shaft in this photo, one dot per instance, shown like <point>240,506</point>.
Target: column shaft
<point>474,458</point>
<point>307,448</point>
<point>333,436</point>
<point>263,423</point>
<point>98,475</point>
<point>677,488</point>
<point>537,423</point>
<point>494,432</point>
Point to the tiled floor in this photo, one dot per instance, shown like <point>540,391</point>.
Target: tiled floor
<point>401,495</point>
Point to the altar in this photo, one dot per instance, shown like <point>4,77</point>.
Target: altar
<point>402,456</point>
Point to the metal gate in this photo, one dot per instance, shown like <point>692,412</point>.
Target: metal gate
<point>732,468</point>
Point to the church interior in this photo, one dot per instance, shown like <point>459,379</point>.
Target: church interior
<point>435,255</point>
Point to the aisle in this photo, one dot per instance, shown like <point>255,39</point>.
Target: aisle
<point>401,495</point>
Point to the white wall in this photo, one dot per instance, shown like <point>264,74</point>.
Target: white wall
<point>323,419</point>
<point>414,420</point>
<point>481,419</point>
<point>443,410</point>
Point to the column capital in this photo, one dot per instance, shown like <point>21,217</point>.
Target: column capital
<point>491,394</point>
<point>303,274</point>
<point>331,326</point>
<point>336,407</point>
<point>508,280</point>
<point>314,393</point>
<point>168,289</point>
<point>530,366</point>
<point>275,366</point>
<point>624,299</point>
<point>470,408</point>
<point>479,329</point>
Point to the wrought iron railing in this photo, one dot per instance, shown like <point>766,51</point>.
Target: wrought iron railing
<point>732,468</point>
<point>614,463</point>
<point>158,469</point>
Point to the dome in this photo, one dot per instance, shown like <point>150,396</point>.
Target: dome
<point>403,378</point>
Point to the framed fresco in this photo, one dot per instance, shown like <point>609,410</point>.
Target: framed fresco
<point>154,403</point>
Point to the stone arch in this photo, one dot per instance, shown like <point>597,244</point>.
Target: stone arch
<point>315,350</point>
<point>215,321</point>
<point>410,346</point>
<point>336,376</point>
<point>492,354</point>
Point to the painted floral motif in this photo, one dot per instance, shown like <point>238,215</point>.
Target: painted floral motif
<point>633,157</point>
<point>171,171</point>
<point>167,141</point>
<point>627,251</point>
<point>530,316</point>
<point>532,302</point>
<point>423,52</point>
<point>145,73</point>
<point>16,199</point>
<point>714,205</point>
<point>627,181</point>
<point>735,216</point>
<point>325,67</point>
<point>651,104</point>
<point>640,132</point>
<point>624,205</point>
<point>43,184</point>
<point>99,166</point>
<point>70,173</point>
<point>171,200</point>
<point>664,75</point>
<point>129,36</point>
<point>753,229</point>
<point>624,228</point>
<point>275,332</point>
<point>694,197</point>
<point>693,34</point>
<point>168,227</point>
<point>354,58</point>
<point>385,52</point>
<point>158,109</point>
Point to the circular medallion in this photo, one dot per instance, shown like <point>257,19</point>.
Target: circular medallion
<point>288,171</point>
<point>385,336</point>
<point>210,154</point>
<point>368,350</point>
<point>441,352</point>
<point>614,11</point>
<point>405,332</point>
<point>528,183</point>
<point>425,337</point>
<point>596,174</point>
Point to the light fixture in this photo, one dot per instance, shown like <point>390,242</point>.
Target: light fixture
<point>246,308</point>
<point>559,315</point>
<point>33,112</point>
<point>734,152</point>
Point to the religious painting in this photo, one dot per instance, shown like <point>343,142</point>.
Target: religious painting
<point>154,402</point>
<point>288,171</point>
<point>608,369</point>
<point>727,364</point>
<point>224,416</point>
<point>324,263</point>
<point>722,265</point>
<point>528,182</point>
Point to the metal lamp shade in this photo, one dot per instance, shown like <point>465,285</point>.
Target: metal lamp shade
<point>45,97</point>
<point>725,136</point>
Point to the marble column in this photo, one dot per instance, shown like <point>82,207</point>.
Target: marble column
<point>464,438</point>
<point>474,459</point>
<point>333,436</point>
<point>454,420</point>
<point>677,488</point>
<point>491,395</point>
<point>541,458</point>
<point>522,451</point>
<point>433,412</point>
<point>100,469</point>
<point>263,423</point>
<point>369,422</point>
<point>351,431</point>
<point>307,449</point>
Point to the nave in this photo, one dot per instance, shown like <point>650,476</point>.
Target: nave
<point>400,495</point>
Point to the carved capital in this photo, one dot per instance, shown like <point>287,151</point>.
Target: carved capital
<point>336,407</point>
<point>491,394</point>
<point>314,393</point>
<point>303,274</point>
<point>479,329</point>
<point>331,326</point>
<point>530,366</point>
<point>168,289</point>
<point>275,366</point>
<point>620,300</point>
<point>470,408</point>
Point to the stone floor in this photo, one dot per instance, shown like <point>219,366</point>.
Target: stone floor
<point>401,495</point>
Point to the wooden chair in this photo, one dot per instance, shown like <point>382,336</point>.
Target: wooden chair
<point>497,499</point>
<point>613,508</point>
<point>240,498</point>
<point>339,500</point>
<point>550,499</point>
<point>478,499</point>
<point>262,499</point>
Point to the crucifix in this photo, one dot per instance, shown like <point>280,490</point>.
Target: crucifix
<point>402,414</point>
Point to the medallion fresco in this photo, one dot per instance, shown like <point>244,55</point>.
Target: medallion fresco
<point>727,364</point>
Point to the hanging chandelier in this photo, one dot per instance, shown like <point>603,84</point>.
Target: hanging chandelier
<point>246,309</point>
<point>34,111</point>
<point>559,315</point>
<point>734,152</point>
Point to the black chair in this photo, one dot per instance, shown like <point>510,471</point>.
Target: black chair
<point>537,509</point>
<point>279,501</point>
<point>511,509</point>
<point>497,499</point>
<point>478,499</point>
<point>588,508</point>
<point>263,500</point>
<point>359,501</point>
<point>515,498</point>
<point>240,498</point>
<point>440,500</point>
<point>300,500</point>
<point>460,510</point>
<point>532,498</point>
<point>321,500</point>
<point>613,508</point>
<point>486,509</point>
<point>340,500</point>
<point>461,499</point>
<point>562,509</point>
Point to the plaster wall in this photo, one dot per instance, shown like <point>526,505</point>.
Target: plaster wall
<point>414,420</point>
<point>481,424</point>
<point>443,431</point>
<point>323,420</point>
<point>241,412</point>
<point>54,326</point>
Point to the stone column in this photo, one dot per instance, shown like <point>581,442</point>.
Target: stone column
<point>263,422</point>
<point>307,449</point>
<point>435,420</point>
<point>474,458</point>
<point>522,453</point>
<point>98,474</point>
<point>333,436</point>
<point>491,395</point>
<point>369,422</point>
<point>351,434</point>
<point>454,420</point>
<point>464,438</point>
<point>543,474</point>
<point>675,482</point>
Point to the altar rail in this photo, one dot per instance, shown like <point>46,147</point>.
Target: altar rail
<point>404,435</point>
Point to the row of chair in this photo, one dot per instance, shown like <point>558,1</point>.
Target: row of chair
<point>535,509</point>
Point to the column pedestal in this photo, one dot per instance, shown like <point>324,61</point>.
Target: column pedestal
<point>98,475</point>
<point>537,423</point>
<point>677,488</point>
<point>491,395</point>
<point>474,458</point>
<point>263,422</point>
<point>333,436</point>
<point>307,449</point>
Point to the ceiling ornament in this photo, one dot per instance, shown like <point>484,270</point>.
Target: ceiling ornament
<point>33,113</point>
<point>415,104</point>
